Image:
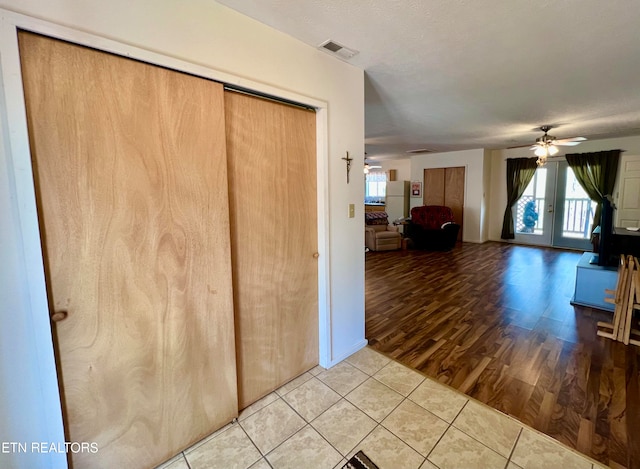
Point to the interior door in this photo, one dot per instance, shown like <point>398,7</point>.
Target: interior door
<point>131,182</point>
<point>628,204</point>
<point>271,150</point>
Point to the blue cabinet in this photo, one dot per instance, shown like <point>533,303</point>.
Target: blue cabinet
<point>591,282</point>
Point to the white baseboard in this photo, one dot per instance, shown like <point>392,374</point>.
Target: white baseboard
<point>353,349</point>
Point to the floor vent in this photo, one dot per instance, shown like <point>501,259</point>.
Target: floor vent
<point>337,49</point>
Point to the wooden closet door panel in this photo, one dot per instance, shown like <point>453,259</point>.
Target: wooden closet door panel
<point>454,193</point>
<point>130,172</point>
<point>433,186</point>
<point>271,150</point>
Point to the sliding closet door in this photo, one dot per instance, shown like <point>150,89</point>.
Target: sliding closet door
<point>434,181</point>
<point>445,186</point>
<point>271,151</point>
<point>454,194</point>
<point>130,172</point>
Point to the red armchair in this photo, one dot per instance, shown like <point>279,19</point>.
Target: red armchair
<point>432,227</point>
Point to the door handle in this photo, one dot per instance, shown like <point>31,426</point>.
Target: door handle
<point>57,316</point>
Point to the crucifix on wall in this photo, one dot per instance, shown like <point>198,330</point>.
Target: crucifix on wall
<point>348,160</point>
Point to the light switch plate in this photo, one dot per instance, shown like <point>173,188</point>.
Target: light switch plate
<point>352,210</point>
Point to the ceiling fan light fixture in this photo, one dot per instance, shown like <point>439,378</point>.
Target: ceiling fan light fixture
<point>540,151</point>
<point>547,145</point>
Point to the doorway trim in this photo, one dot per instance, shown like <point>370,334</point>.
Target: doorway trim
<point>15,156</point>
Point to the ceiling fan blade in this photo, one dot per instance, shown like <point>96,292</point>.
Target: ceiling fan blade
<point>561,141</point>
<point>519,146</point>
<point>569,142</point>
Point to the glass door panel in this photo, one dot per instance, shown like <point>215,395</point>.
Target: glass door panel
<point>574,212</point>
<point>533,213</point>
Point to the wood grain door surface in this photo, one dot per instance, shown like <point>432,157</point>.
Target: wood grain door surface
<point>271,150</point>
<point>454,194</point>
<point>445,186</point>
<point>434,181</point>
<point>134,215</point>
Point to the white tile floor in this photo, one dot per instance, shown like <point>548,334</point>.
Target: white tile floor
<point>399,418</point>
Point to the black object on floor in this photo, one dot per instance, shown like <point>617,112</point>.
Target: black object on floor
<point>360,461</point>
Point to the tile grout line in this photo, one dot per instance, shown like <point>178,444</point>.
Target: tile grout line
<point>470,398</point>
<point>308,424</point>
<point>265,406</point>
<point>380,424</point>
<point>406,398</point>
<point>482,443</point>
<point>377,424</point>
<point>184,455</point>
<point>262,456</point>
<point>355,406</point>
<point>508,459</point>
<point>450,424</point>
<point>514,446</point>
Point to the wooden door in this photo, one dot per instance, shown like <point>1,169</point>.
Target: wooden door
<point>271,150</point>
<point>454,194</point>
<point>130,172</point>
<point>433,186</point>
<point>445,186</point>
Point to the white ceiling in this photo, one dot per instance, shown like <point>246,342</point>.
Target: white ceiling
<point>459,74</point>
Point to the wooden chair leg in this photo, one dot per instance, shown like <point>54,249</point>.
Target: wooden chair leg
<point>617,328</point>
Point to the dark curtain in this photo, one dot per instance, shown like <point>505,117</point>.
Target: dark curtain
<point>520,171</point>
<point>596,172</point>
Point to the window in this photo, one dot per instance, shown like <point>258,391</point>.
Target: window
<point>375,187</point>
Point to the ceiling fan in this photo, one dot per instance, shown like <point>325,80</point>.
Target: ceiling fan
<point>546,145</point>
<point>368,167</point>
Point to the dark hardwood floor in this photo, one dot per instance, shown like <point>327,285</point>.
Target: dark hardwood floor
<point>494,321</point>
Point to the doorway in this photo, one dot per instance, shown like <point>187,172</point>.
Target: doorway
<point>554,210</point>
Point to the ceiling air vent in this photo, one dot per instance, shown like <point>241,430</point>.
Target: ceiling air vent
<point>339,50</point>
<point>420,150</point>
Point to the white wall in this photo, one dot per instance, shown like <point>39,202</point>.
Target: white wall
<point>498,199</point>
<point>474,194</point>
<point>402,167</point>
<point>205,33</point>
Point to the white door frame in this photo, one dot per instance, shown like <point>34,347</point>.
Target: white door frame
<point>23,241</point>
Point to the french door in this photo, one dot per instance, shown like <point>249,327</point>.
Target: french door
<point>554,210</point>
